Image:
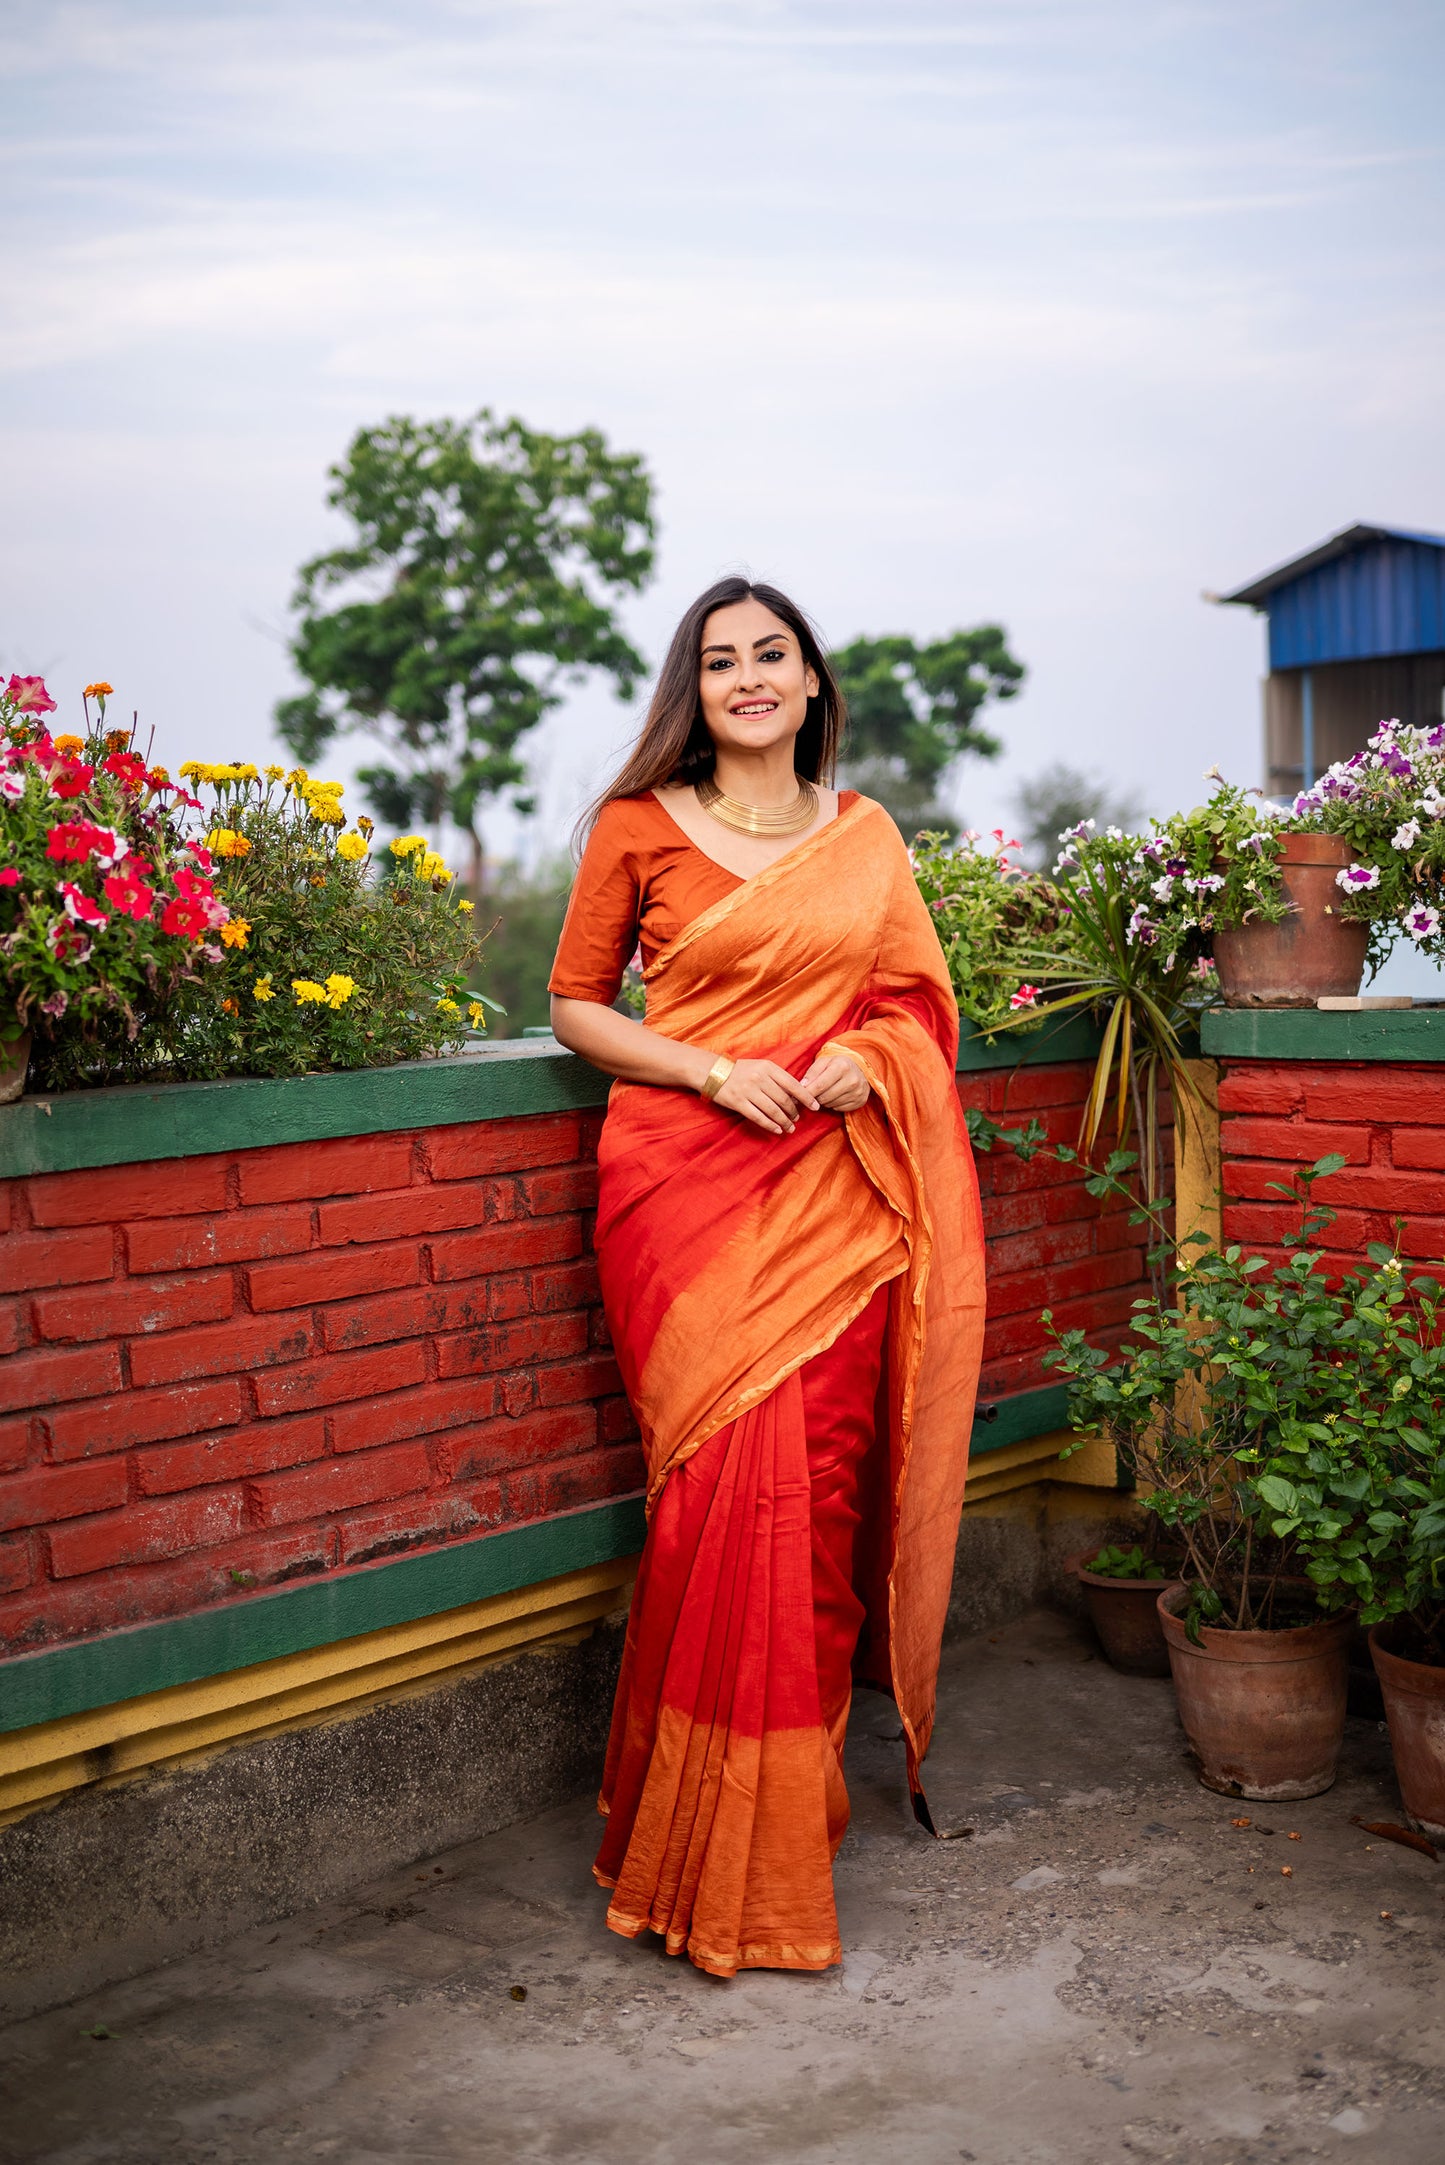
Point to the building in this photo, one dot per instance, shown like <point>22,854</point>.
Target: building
<point>1356,635</point>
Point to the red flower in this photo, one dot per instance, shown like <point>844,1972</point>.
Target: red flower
<point>183,916</point>
<point>79,907</point>
<point>71,778</point>
<point>128,768</point>
<point>30,695</point>
<point>72,841</point>
<point>9,877</point>
<point>130,895</point>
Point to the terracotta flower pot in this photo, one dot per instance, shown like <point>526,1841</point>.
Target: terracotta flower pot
<point>14,1059</point>
<point>1125,1614</point>
<point>1264,1711</point>
<point>1309,954</point>
<point>1414,1694</point>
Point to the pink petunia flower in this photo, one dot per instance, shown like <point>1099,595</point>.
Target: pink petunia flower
<point>30,695</point>
<point>1026,996</point>
<point>79,907</point>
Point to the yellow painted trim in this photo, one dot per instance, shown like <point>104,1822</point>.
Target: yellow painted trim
<point>1018,1465</point>
<point>161,1727</point>
<point>1198,1199</point>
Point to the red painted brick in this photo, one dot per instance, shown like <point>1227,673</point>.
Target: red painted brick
<point>1033,1251</point>
<point>1376,1094</point>
<point>336,1484</point>
<point>347,1165</point>
<point>543,1491</point>
<point>573,1380</point>
<point>1261,1225</point>
<point>1297,1141</point>
<point>1382,1187</point>
<point>259,1447</point>
<point>14,1444</point>
<point>511,1295</point>
<point>574,1286</point>
<point>509,1246</point>
<point>337,1376</point>
<point>414,1520</point>
<point>1258,1089</point>
<point>60,1492</point>
<point>9,1328</point>
<point>148,1532</point>
<point>176,1586</point>
<point>501,1146</point>
<point>1419,1147</point>
<point>114,1424</point>
<point>511,1345</point>
<point>248,1342</point>
<point>1031,1089</point>
<point>104,1194</point>
<point>122,1307</point>
<point>1066,1282</point>
<point>326,1275</point>
<point>234,1236</point>
<point>616,1421</point>
<point>493,1446</point>
<point>399,1217</point>
<point>31,1260</point>
<point>44,1379</point>
<point>7,1190</point>
<point>401,1415</point>
<point>16,1565</point>
<point>571,1187</point>
<point>407,1315</point>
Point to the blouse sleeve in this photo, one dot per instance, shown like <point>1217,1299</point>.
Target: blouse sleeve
<point>600,930</point>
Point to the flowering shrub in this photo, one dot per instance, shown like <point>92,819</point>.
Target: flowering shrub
<point>325,964</point>
<point>1389,803</point>
<point>106,907</point>
<point>1217,865</point>
<point>989,913</point>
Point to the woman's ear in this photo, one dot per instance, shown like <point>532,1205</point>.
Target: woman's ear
<point>810,683</point>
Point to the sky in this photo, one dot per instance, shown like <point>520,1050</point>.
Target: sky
<point>1054,313</point>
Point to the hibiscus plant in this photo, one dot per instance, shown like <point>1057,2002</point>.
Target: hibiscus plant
<point>106,906</point>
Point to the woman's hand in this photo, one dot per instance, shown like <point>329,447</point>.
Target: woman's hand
<point>766,1094</point>
<point>837,1084</point>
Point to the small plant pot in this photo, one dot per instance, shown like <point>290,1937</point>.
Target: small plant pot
<point>1125,1614</point>
<point>1264,1711</point>
<point>1414,1693</point>
<point>1312,953</point>
<point>14,1060</point>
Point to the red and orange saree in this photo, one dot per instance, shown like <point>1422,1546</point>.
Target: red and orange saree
<point>798,1321</point>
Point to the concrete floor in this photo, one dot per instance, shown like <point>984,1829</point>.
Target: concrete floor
<point>1104,1969</point>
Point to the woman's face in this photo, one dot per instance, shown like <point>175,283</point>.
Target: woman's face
<point>754,682</point>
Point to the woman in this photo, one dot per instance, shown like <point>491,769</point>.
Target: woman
<point>792,1264</point>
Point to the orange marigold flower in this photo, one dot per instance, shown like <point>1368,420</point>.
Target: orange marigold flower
<point>98,691</point>
<point>229,1007</point>
<point>235,931</point>
<point>69,746</point>
<point>117,740</point>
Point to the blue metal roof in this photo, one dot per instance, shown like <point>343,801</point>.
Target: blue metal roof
<point>1368,590</point>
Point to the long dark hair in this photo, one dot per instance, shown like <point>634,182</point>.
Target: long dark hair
<point>674,745</point>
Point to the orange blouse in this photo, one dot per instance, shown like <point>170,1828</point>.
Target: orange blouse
<point>640,883</point>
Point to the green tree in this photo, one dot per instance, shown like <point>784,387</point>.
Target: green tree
<point>913,710</point>
<point>480,576</point>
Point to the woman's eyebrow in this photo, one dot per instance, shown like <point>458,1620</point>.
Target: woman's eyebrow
<point>719,650</point>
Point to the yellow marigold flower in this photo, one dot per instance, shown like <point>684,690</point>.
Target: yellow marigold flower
<point>298,777</point>
<point>191,771</point>
<point>235,931</point>
<point>466,905</point>
<point>307,990</point>
<point>98,691</point>
<point>225,842</point>
<point>477,1015</point>
<point>407,845</point>
<point>448,1007</point>
<point>367,826</point>
<point>339,989</point>
<point>433,867</point>
<point>261,990</point>
<point>246,772</point>
<point>275,774</point>
<point>351,847</point>
<point>69,745</point>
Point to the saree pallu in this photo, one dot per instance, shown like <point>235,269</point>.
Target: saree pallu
<point>799,1321</point>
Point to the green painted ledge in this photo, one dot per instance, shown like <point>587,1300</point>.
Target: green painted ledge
<point>143,1121</point>
<point>124,1664</point>
<point>1307,1033</point>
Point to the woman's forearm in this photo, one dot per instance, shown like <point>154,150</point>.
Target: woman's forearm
<point>624,1048</point>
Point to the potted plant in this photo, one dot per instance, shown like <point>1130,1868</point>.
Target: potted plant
<point>1121,1588</point>
<point>1241,1387</point>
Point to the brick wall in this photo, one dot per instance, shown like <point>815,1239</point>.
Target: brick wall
<point>230,1371</point>
<point>1386,1120</point>
<point>225,1372</point>
<point>1049,1243</point>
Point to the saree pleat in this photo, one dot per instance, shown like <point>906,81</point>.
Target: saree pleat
<point>798,1321</point>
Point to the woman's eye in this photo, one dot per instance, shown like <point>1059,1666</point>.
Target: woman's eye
<point>720,663</point>
<point>774,654</point>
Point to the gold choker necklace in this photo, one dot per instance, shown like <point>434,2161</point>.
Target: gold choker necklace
<point>759,819</point>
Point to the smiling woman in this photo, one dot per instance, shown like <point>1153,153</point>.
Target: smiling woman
<point>791,1257</point>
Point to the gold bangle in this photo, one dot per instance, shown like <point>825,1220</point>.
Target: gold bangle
<point>717,1075</point>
